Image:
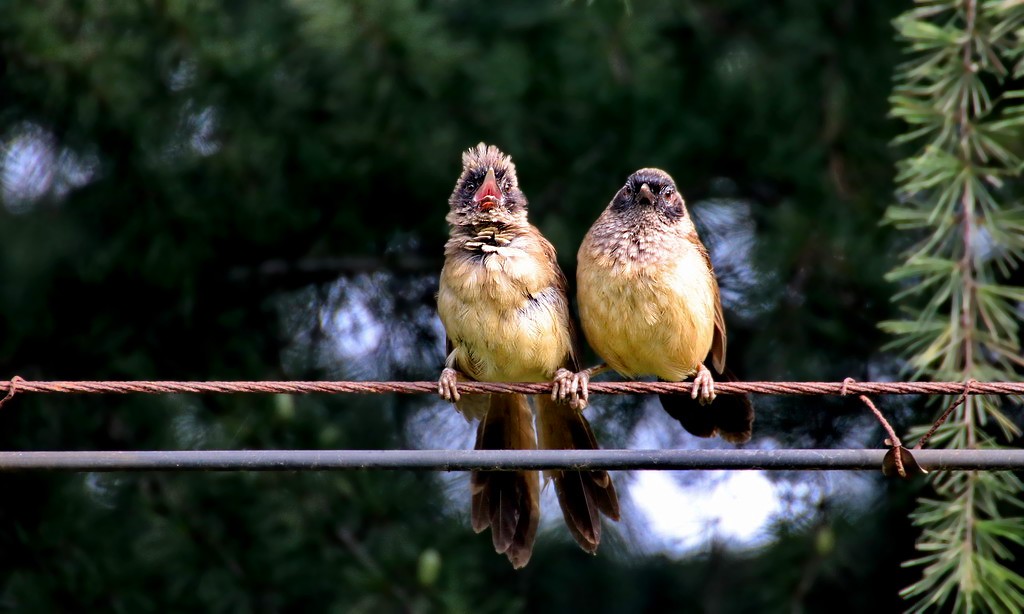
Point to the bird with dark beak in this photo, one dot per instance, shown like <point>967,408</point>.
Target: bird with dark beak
<point>502,300</point>
<point>649,304</point>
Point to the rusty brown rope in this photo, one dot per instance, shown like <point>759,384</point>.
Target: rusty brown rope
<point>12,389</point>
<point>22,386</point>
<point>968,385</point>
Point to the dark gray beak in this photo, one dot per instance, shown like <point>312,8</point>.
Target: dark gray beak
<point>646,194</point>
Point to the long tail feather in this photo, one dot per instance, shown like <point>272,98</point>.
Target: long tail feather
<point>729,415</point>
<point>507,501</point>
<point>582,495</point>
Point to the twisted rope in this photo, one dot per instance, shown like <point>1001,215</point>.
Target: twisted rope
<point>22,386</point>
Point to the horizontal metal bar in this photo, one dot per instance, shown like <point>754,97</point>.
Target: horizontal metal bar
<point>462,460</point>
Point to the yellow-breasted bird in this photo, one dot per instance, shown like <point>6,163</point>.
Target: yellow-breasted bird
<point>502,300</point>
<point>649,303</point>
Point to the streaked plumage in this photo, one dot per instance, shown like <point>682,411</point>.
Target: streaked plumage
<point>503,303</point>
<point>649,301</point>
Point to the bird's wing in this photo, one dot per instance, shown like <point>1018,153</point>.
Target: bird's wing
<point>561,284</point>
<point>719,338</point>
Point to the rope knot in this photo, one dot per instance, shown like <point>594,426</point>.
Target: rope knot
<point>12,389</point>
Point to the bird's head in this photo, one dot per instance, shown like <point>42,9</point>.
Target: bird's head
<point>650,192</point>
<point>487,190</point>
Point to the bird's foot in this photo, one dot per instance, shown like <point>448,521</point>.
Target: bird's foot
<point>703,386</point>
<point>571,388</point>
<point>447,386</point>
<point>574,388</point>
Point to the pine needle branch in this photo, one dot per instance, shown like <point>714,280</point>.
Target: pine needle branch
<point>957,191</point>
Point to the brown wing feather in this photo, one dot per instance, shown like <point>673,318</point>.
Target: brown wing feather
<point>718,339</point>
<point>562,284</point>
<point>449,347</point>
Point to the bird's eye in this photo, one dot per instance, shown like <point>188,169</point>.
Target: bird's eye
<point>627,190</point>
<point>469,187</point>
<point>668,192</point>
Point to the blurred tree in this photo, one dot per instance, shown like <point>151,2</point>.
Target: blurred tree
<point>257,191</point>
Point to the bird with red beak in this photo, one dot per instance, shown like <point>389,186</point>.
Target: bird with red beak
<point>488,195</point>
<point>487,192</point>
<point>502,300</point>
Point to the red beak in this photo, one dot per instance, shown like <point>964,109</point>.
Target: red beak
<point>488,194</point>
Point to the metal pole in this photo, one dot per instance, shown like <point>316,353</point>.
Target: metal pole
<point>462,460</point>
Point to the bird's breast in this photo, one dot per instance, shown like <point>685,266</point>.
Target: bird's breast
<point>504,314</point>
<point>648,316</point>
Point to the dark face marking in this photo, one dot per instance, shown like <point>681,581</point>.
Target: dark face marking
<point>470,183</point>
<point>652,190</point>
<point>513,199</point>
<point>487,192</point>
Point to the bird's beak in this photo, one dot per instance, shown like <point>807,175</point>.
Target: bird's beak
<point>646,194</point>
<point>488,195</point>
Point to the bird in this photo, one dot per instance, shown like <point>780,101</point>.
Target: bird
<point>649,304</point>
<point>503,303</point>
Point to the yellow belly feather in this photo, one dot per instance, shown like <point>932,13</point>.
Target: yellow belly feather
<point>505,322</point>
<point>652,318</point>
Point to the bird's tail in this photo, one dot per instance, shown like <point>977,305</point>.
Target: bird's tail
<point>729,415</point>
<point>507,501</point>
<point>583,495</point>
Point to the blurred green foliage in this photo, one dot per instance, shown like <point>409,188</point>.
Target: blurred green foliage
<point>183,182</point>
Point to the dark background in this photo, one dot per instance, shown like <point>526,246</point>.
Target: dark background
<point>231,191</point>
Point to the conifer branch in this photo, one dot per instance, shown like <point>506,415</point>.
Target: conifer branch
<point>958,192</point>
